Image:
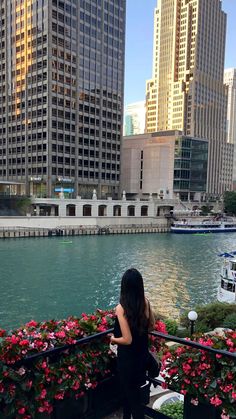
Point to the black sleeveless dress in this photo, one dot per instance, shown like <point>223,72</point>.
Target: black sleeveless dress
<point>132,359</point>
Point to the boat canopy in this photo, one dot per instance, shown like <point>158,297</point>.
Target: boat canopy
<point>228,255</point>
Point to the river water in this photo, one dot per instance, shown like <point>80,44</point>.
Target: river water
<point>45,278</point>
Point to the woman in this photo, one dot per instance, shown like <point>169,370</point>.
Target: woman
<point>134,318</point>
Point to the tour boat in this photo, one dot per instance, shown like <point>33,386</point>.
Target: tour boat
<point>227,287</point>
<point>205,226</point>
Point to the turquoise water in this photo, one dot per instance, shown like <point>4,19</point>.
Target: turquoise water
<point>43,278</point>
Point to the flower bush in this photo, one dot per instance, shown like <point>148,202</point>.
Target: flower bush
<point>31,390</point>
<point>202,375</point>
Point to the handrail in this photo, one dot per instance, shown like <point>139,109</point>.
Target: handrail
<point>194,344</point>
<point>90,338</point>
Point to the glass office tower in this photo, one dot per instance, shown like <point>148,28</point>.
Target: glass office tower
<point>61,95</point>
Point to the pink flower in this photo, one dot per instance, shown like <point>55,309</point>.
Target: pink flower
<point>102,328</point>
<point>32,323</point>
<point>76,385</point>
<point>229,342</point>
<point>59,396</point>
<point>186,368</point>
<point>60,334</point>
<point>216,401</point>
<point>43,394</point>
<point>233,395</point>
<point>21,411</point>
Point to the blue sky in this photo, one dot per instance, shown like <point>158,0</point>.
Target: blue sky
<point>139,43</point>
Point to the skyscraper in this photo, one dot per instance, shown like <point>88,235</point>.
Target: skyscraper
<point>186,91</point>
<point>61,94</point>
<point>230,82</point>
<point>135,118</point>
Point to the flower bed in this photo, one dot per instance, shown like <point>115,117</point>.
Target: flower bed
<point>26,391</point>
<point>204,376</point>
<point>31,390</point>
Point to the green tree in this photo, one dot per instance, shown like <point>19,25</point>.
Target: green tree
<point>230,202</point>
<point>205,209</point>
<point>23,205</point>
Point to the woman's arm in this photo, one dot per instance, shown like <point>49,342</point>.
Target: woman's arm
<point>151,317</point>
<point>126,338</point>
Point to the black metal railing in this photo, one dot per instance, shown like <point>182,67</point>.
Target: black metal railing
<point>151,413</point>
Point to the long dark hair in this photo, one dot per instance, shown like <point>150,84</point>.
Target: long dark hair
<point>132,300</point>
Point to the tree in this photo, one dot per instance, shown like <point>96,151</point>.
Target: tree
<point>230,202</point>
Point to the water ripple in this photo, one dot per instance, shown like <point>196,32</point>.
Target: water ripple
<point>43,278</point>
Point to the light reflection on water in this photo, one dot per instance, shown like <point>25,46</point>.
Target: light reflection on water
<point>45,278</point>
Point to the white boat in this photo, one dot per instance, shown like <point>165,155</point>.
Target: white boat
<point>212,225</point>
<point>227,287</point>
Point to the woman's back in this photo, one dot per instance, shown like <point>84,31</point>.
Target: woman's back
<point>139,345</point>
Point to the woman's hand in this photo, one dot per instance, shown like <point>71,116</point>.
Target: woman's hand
<point>112,338</point>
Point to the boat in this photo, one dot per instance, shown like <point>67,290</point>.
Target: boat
<point>212,225</point>
<point>227,288</point>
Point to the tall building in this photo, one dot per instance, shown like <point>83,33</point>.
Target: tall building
<point>61,95</point>
<point>135,118</point>
<point>230,82</point>
<point>186,91</point>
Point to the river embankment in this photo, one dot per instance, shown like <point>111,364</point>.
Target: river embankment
<point>12,227</point>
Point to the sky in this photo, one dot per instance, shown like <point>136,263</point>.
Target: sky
<point>139,44</point>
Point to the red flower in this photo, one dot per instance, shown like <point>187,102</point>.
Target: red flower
<point>2,333</point>
<point>22,411</point>
<point>24,342</point>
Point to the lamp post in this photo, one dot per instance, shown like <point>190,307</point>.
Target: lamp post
<point>192,316</point>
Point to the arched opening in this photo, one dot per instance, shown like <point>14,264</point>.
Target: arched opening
<point>70,210</point>
<point>144,211</point>
<point>102,210</point>
<point>117,210</point>
<point>87,210</point>
<point>131,211</point>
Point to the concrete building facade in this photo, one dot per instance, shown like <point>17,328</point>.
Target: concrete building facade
<point>135,114</point>
<point>61,95</point>
<point>165,165</point>
<point>230,82</point>
<point>186,91</point>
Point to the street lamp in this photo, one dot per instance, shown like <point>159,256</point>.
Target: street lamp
<point>192,316</point>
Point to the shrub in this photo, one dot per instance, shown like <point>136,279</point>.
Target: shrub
<point>171,326</point>
<point>183,333</point>
<point>210,316</point>
<point>230,321</point>
<point>174,410</point>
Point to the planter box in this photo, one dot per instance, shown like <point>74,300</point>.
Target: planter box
<point>201,411</point>
<point>95,404</point>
